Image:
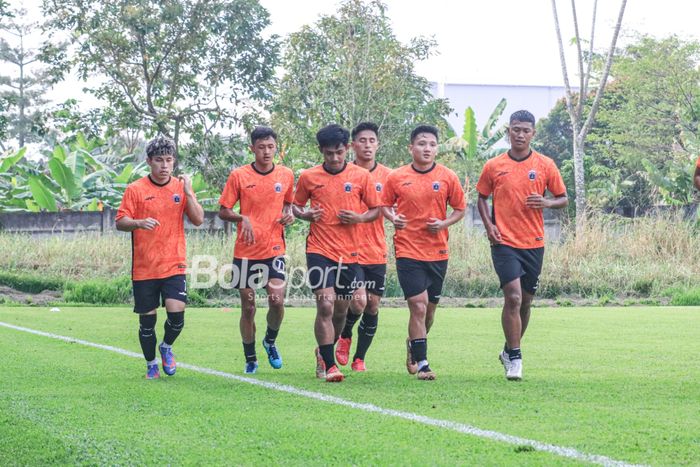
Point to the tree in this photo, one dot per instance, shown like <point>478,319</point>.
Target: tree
<point>22,93</point>
<point>178,66</point>
<point>581,127</point>
<point>349,68</point>
<point>636,151</point>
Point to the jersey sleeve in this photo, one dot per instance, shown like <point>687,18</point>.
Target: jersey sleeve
<point>555,183</point>
<point>301,195</point>
<point>388,195</point>
<point>485,184</point>
<point>697,163</point>
<point>232,191</point>
<point>128,206</point>
<point>456,198</point>
<point>370,196</point>
<point>289,194</point>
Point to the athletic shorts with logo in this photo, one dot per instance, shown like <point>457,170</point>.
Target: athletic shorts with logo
<point>511,263</point>
<point>373,278</point>
<point>151,293</point>
<point>256,273</point>
<point>416,276</point>
<point>324,273</point>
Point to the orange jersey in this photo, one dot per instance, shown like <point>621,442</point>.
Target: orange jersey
<point>160,252</point>
<point>349,189</point>
<point>372,237</point>
<point>697,163</point>
<point>262,197</point>
<point>420,196</point>
<point>511,182</point>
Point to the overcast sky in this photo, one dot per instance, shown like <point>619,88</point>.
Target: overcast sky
<point>487,41</point>
<point>502,41</point>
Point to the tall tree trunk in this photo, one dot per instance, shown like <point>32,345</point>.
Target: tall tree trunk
<point>580,183</point>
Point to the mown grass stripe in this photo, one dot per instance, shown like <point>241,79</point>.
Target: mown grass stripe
<point>567,452</point>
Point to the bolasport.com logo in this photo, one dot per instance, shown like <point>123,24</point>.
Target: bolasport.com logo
<point>206,272</point>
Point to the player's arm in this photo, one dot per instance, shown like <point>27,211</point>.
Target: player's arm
<point>435,225</point>
<point>492,231</point>
<point>246,228</point>
<point>312,214</point>
<point>537,201</point>
<point>696,178</point>
<point>351,217</point>
<point>127,224</point>
<point>194,210</point>
<point>287,215</point>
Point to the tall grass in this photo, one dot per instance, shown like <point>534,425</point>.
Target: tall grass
<point>612,257</point>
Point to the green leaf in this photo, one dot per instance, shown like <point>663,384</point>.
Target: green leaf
<point>64,177</point>
<point>59,153</point>
<point>125,175</point>
<point>470,132</point>
<point>10,161</point>
<point>493,118</point>
<point>198,183</point>
<point>76,163</point>
<point>42,196</point>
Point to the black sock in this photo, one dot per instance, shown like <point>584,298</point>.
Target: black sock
<point>147,336</point>
<point>505,347</point>
<point>419,349</point>
<point>173,326</point>
<point>249,352</point>
<point>514,354</point>
<point>327,354</point>
<point>365,332</point>
<point>271,335</point>
<point>350,321</point>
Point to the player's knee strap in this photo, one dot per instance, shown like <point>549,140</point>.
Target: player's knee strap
<point>147,323</point>
<point>176,320</point>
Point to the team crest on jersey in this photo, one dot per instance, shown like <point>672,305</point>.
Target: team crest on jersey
<point>348,187</point>
<point>176,198</point>
<point>436,186</point>
<point>278,187</point>
<point>378,187</point>
<point>532,175</point>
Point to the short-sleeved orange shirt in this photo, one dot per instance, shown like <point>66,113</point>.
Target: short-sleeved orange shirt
<point>349,189</point>
<point>262,197</point>
<point>372,237</point>
<point>420,196</point>
<point>511,182</point>
<point>160,252</point>
<point>697,163</point>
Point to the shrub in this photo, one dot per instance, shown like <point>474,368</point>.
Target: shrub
<point>100,291</point>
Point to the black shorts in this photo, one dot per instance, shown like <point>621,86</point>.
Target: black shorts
<point>511,263</point>
<point>416,276</point>
<point>151,293</point>
<point>323,273</point>
<point>256,273</point>
<point>373,278</point>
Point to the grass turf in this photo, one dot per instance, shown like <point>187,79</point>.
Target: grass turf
<point>619,382</point>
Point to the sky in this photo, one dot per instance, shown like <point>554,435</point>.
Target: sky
<point>503,41</point>
<point>487,41</point>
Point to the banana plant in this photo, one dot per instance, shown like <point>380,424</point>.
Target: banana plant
<point>475,144</point>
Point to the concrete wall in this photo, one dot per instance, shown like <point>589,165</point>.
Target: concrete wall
<point>52,223</point>
<point>552,223</point>
<point>49,223</point>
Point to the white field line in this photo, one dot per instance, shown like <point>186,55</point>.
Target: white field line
<point>446,424</point>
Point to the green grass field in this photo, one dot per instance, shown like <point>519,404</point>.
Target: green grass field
<point>614,382</point>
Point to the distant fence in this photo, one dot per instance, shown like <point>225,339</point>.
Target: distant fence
<point>51,223</point>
